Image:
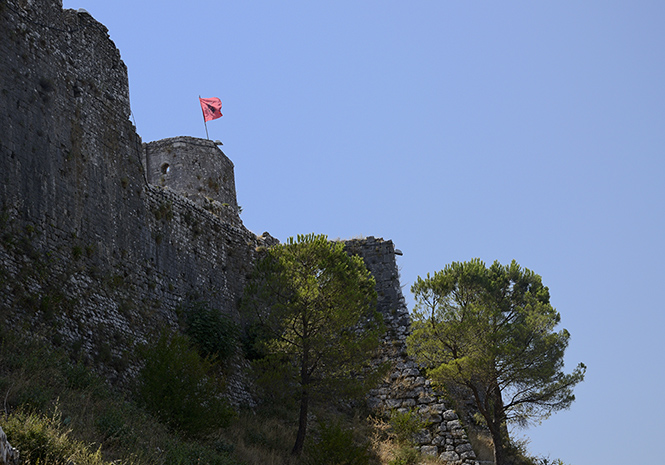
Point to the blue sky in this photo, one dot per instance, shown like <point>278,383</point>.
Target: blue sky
<point>532,131</point>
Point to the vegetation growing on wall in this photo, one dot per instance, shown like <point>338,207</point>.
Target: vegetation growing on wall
<point>213,333</point>
<point>56,411</point>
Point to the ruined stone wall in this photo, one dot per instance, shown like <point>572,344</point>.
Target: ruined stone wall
<point>89,251</point>
<point>406,389</point>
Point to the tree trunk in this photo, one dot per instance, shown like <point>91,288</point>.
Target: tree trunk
<point>302,423</point>
<point>304,397</point>
<point>497,426</point>
<point>498,442</point>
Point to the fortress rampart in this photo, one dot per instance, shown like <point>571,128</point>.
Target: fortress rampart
<point>103,238</point>
<point>88,248</point>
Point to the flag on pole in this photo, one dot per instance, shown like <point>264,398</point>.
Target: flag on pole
<point>212,108</point>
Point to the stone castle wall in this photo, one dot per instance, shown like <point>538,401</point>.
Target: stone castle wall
<point>103,238</point>
<point>88,249</point>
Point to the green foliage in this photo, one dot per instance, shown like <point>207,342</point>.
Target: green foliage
<point>548,461</point>
<point>316,309</point>
<point>273,373</point>
<point>67,414</point>
<point>112,425</point>
<point>187,453</point>
<point>77,252</point>
<point>405,455</point>
<point>213,334</point>
<point>44,440</point>
<point>491,331</point>
<point>405,425</point>
<point>179,386</point>
<point>252,340</point>
<point>335,446</point>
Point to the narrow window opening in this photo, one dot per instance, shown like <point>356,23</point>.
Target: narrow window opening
<point>166,168</point>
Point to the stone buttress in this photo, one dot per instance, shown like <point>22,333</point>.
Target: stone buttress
<point>406,389</point>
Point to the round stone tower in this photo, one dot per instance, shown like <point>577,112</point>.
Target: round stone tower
<point>195,168</point>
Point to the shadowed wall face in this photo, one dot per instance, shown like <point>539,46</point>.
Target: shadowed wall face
<point>89,252</point>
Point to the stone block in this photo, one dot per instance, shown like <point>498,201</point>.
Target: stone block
<point>449,456</point>
<point>393,403</point>
<point>423,437</point>
<point>8,454</point>
<point>450,415</point>
<point>425,400</point>
<point>429,450</point>
<point>438,408</point>
<point>458,433</point>
<point>408,403</point>
<point>454,424</point>
<point>463,448</point>
<point>373,403</point>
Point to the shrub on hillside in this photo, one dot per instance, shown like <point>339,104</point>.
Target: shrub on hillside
<point>405,425</point>
<point>213,333</point>
<point>335,446</point>
<point>44,440</point>
<point>179,386</point>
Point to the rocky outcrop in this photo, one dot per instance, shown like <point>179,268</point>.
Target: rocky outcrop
<point>8,454</point>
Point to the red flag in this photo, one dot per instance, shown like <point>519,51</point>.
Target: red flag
<point>212,108</point>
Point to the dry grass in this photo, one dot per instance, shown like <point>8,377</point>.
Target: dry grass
<point>389,449</point>
<point>482,445</point>
<point>42,384</point>
<point>260,440</point>
<point>70,409</point>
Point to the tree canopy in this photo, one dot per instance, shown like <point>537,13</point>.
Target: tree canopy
<point>491,331</point>
<point>314,307</point>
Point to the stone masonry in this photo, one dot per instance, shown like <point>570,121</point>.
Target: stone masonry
<point>8,455</point>
<point>90,253</point>
<point>406,389</point>
<point>193,167</point>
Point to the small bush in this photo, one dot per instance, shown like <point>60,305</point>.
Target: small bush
<point>180,453</point>
<point>77,252</point>
<point>405,426</point>
<point>111,425</point>
<point>178,386</point>
<point>43,440</point>
<point>58,412</point>
<point>335,447</point>
<point>214,334</point>
<point>405,456</point>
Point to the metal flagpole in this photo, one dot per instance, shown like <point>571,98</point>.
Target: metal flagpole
<point>204,118</point>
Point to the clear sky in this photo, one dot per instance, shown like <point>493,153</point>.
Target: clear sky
<point>532,131</point>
